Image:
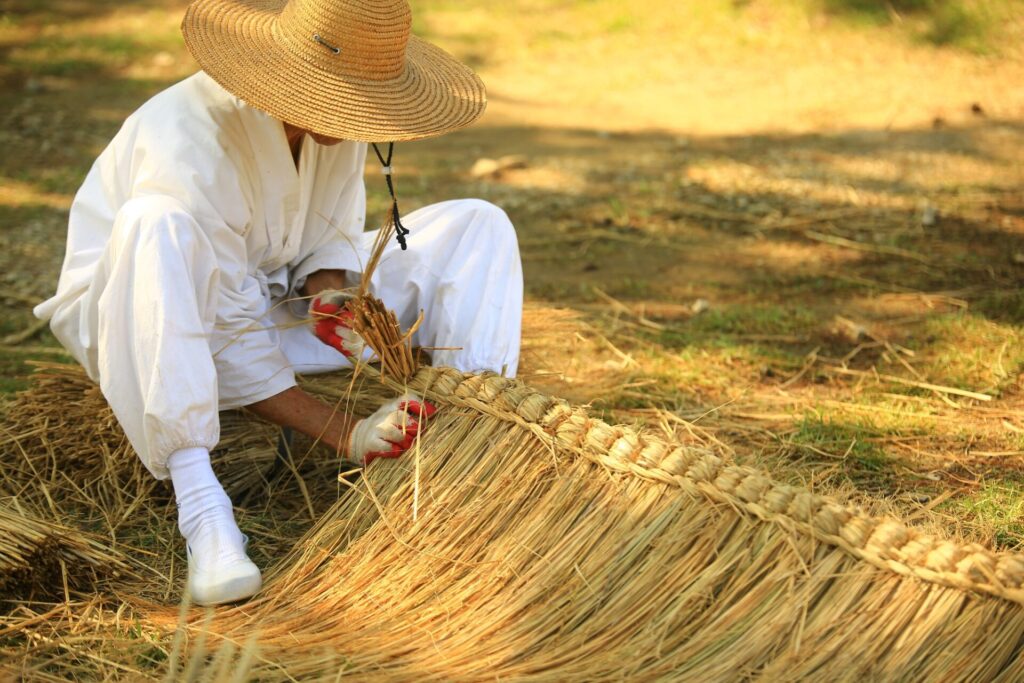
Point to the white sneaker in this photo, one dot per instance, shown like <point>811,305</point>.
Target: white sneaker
<point>225,581</point>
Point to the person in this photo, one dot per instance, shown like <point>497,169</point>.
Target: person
<point>228,202</point>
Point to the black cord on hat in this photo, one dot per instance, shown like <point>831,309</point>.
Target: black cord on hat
<point>400,230</point>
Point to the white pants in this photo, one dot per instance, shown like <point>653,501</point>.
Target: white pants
<point>150,327</point>
<point>461,269</point>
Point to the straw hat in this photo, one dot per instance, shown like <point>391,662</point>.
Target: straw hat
<point>343,68</point>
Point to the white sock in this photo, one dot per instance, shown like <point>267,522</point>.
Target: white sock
<point>205,517</point>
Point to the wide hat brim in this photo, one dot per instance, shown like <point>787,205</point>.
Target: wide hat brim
<point>238,44</point>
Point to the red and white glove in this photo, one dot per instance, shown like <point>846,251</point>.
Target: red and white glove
<point>332,323</point>
<point>390,431</point>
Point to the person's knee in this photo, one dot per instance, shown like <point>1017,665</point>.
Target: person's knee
<point>160,221</point>
<point>500,229</point>
<point>484,208</point>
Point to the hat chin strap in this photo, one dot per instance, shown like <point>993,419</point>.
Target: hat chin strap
<point>400,230</point>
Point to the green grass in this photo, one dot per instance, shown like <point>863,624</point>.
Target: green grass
<point>998,508</point>
<point>1005,305</point>
<point>977,26</point>
<point>622,23</point>
<point>58,179</point>
<point>721,322</point>
<point>851,445</point>
<point>631,288</point>
<point>14,371</point>
<point>798,285</point>
<point>969,351</point>
<point>77,56</point>
<point>960,26</point>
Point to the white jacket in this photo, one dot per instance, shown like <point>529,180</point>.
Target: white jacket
<point>232,169</point>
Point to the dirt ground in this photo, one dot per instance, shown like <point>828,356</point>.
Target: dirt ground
<point>800,227</point>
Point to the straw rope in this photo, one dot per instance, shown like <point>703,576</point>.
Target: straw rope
<point>527,559</point>
<point>884,543</point>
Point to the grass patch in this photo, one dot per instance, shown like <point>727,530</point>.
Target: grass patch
<point>621,23</point>
<point>959,25</point>
<point>802,284</point>
<point>998,508</point>
<point>973,25</point>
<point>56,179</point>
<point>739,320</point>
<point>884,415</point>
<point>631,288</point>
<point>1003,305</point>
<point>734,346</point>
<point>851,447</point>
<point>14,372</point>
<point>83,55</point>
<point>850,440</point>
<point>970,352</point>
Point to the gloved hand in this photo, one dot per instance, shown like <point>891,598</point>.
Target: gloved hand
<point>332,323</point>
<point>390,431</point>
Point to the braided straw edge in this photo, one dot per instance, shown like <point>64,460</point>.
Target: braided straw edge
<point>883,542</point>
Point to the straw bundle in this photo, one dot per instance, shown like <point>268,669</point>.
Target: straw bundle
<point>379,328</point>
<point>526,540</point>
<point>63,442</point>
<point>373,321</point>
<point>61,435</point>
<point>42,558</point>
